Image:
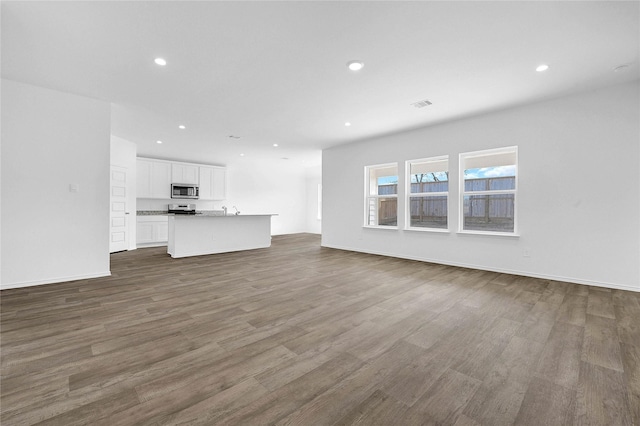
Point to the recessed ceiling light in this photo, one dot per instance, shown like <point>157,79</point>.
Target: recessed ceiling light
<point>542,67</point>
<point>275,144</point>
<point>347,124</point>
<point>158,141</point>
<point>355,65</point>
<point>241,155</point>
<point>182,127</point>
<point>160,61</point>
<point>422,104</point>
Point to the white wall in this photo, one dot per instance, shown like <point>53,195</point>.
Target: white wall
<point>314,179</point>
<point>578,199</point>
<point>123,154</point>
<point>263,187</point>
<point>49,141</point>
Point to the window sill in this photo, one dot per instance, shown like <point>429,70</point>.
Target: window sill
<point>380,227</point>
<point>490,233</point>
<point>437,230</point>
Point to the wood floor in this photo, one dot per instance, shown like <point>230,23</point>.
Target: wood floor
<point>302,335</point>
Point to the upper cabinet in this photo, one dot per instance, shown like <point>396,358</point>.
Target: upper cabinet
<point>143,178</point>
<point>153,179</point>
<point>212,182</point>
<point>184,173</point>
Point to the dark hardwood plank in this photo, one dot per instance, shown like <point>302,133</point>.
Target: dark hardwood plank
<point>602,397</point>
<point>299,334</point>
<point>631,362</point>
<point>627,322</point>
<point>276,405</point>
<point>602,343</point>
<point>560,359</point>
<point>411,381</point>
<point>498,399</point>
<point>444,401</point>
<point>546,403</point>
<point>573,310</point>
<point>600,303</point>
<point>378,409</point>
<point>337,401</point>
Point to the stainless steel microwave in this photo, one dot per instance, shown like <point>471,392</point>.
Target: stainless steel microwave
<point>185,190</point>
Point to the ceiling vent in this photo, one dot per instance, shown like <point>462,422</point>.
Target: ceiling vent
<point>421,104</point>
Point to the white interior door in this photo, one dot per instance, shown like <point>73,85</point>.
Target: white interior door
<point>119,232</point>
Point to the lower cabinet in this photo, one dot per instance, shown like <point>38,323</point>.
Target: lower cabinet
<point>152,231</point>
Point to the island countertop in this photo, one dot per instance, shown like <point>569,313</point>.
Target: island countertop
<point>211,214</point>
<point>199,234</point>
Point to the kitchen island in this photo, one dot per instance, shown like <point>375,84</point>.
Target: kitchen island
<point>195,235</point>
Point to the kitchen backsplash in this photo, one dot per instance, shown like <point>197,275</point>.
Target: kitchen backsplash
<point>161,205</point>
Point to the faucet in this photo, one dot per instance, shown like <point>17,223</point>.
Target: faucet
<point>237,211</point>
<point>224,209</point>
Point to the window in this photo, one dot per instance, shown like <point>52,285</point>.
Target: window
<point>427,193</point>
<point>488,191</point>
<point>381,196</point>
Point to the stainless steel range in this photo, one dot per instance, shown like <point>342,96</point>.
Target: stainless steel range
<point>182,208</point>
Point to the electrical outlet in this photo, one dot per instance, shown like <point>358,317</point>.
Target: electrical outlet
<point>526,252</point>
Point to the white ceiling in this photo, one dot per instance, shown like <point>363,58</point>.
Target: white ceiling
<point>275,72</point>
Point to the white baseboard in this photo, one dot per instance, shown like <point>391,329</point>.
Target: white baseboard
<point>500,270</point>
<point>147,245</point>
<point>22,284</point>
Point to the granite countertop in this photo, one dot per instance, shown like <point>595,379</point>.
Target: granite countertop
<point>199,213</point>
<point>216,214</point>
<point>209,213</point>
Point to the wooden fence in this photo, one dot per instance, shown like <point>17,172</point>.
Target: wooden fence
<point>432,210</point>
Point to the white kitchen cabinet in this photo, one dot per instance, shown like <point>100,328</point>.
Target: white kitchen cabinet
<point>212,182</point>
<point>206,182</point>
<point>153,179</point>
<point>143,178</point>
<point>184,173</point>
<point>152,231</point>
<point>161,180</point>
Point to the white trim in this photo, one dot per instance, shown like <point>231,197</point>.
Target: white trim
<point>425,229</point>
<point>491,192</point>
<point>380,227</point>
<point>462,193</point>
<point>490,233</point>
<point>54,280</point>
<point>408,194</point>
<point>368,195</point>
<point>427,194</point>
<point>155,244</point>
<point>499,270</point>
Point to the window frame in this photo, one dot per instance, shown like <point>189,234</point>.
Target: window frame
<point>462,193</point>
<point>408,194</point>
<point>368,195</point>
